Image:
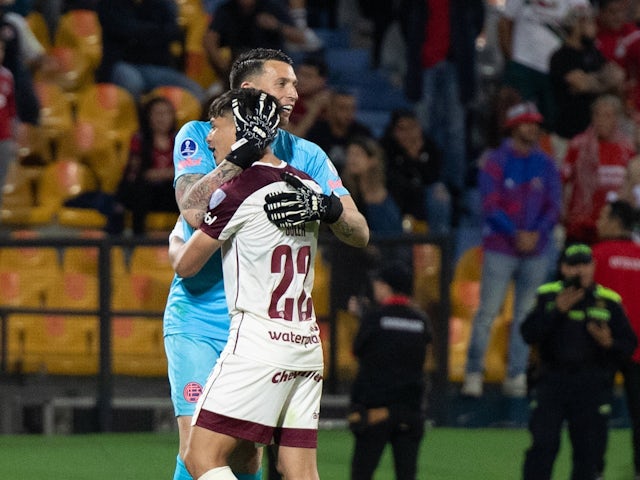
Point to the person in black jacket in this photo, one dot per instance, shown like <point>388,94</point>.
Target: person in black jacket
<point>388,391</point>
<point>580,334</point>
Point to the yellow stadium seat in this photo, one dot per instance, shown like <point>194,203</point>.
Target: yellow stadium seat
<point>56,115</point>
<point>80,29</point>
<point>465,299</point>
<point>321,287</point>
<point>138,347</point>
<point>151,276</point>
<point>187,106</point>
<point>53,344</point>
<point>63,179</point>
<point>75,73</point>
<point>90,144</point>
<point>20,286</point>
<point>114,109</point>
<point>198,68</point>
<point>19,201</point>
<point>39,28</point>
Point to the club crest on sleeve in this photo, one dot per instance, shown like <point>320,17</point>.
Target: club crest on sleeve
<point>217,198</point>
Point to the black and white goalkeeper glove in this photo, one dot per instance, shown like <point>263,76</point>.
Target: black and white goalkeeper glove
<point>289,209</point>
<point>256,127</point>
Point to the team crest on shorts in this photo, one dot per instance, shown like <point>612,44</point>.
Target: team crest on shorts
<point>192,391</point>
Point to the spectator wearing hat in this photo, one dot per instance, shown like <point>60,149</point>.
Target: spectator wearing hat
<point>387,397</point>
<point>594,167</point>
<point>520,194</point>
<point>580,333</point>
<point>579,73</point>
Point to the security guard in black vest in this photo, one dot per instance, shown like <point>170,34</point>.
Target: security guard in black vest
<point>579,333</point>
<point>388,391</point>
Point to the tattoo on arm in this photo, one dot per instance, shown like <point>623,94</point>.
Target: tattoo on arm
<point>193,191</point>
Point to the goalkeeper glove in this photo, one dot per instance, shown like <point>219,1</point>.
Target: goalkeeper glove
<point>289,209</point>
<point>256,127</point>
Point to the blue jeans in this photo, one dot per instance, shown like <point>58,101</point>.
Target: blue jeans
<point>442,115</point>
<point>498,270</point>
<point>141,79</point>
<point>438,208</point>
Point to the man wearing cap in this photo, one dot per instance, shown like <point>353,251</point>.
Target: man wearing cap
<point>520,189</point>
<point>387,393</point>
<point>580,334</point>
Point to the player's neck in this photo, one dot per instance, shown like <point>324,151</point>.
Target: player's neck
<point>270,158</point>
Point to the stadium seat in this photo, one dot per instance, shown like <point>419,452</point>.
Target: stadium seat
<point>20,287</point>
<point>345,60</point>
<point>75,72</point>
<point>198,68</point>
<point>80,30</point>
<point>160,221</point>
<point>187,106</point>
<point>194,20</point>
<point>39,28</point>
<point>465,299</point>
<point>138,347</point>
<point>376,120</point>
<point>321,287</point>
<point>62,180</point>
<point>114,109</point>
<point>56,115</point>
<point>34,149</point>
<point>52,344</point>
<point>333,38</point>
<point>19,201</point>
<point>151,275</point>
<point>90,144</point>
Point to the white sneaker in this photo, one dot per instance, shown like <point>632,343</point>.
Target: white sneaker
<point>515,387</point>
<point>472,386</point>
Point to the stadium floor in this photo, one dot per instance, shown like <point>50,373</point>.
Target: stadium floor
<point>446,454</point>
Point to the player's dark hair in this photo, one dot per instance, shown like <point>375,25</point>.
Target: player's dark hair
<point>625,213</point>
<point>247,98</point>
<point>251,63</point>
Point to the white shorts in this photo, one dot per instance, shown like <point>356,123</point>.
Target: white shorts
<point>261,403</point>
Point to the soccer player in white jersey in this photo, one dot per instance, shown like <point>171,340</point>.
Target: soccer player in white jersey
<point>196,321</point>
<point>266,385</point>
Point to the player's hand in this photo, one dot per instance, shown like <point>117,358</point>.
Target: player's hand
<point>289,209</point>
<point>256,127</point>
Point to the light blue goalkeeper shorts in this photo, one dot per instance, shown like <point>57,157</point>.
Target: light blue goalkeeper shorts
<point>190,358</point>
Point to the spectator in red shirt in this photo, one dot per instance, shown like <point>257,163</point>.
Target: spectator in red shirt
<point>147,184</point>
<point>595,165</point>
<point>617,258</point>
<point>614,25</point>
<point>7,120</point>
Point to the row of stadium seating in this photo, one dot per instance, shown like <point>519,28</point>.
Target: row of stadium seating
<point>44,277</point>
<point>68,279</point>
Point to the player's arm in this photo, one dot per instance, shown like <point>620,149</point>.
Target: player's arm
<point>187,258</point>
<point>302,205</point>
<point>193,191</point>
<point>351,228</point>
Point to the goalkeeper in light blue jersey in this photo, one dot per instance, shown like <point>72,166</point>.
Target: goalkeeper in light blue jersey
<point>196,319</point>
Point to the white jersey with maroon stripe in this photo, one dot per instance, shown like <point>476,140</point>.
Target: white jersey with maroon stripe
<point>268,271</point>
